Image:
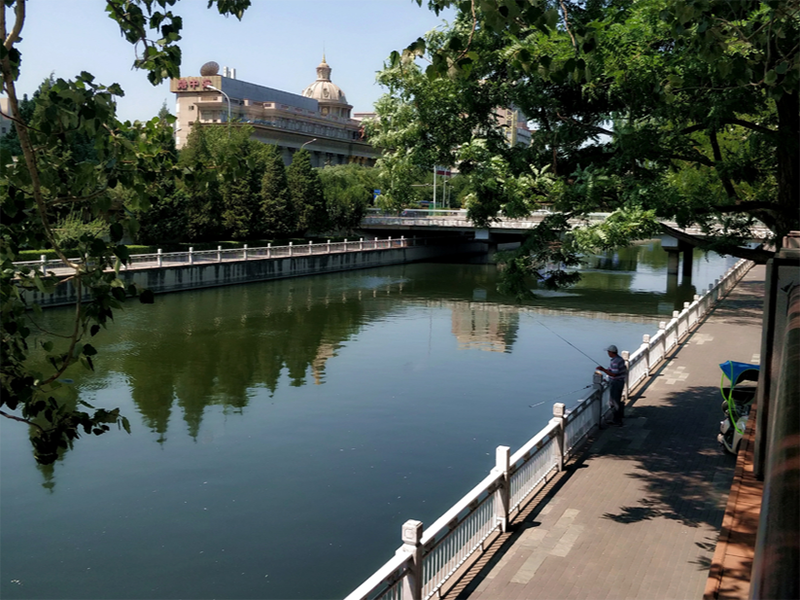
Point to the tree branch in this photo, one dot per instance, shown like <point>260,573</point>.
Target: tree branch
<point>698,159</point>
<point>566,24</point>
<point>19,21</point>
<point>757,255</point>
<point>750,125</point>
<point>21,420</point>
<point>726,181</point>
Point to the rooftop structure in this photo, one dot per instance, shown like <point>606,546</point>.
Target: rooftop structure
<point>318,118</point>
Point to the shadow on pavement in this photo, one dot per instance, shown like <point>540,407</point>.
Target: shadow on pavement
<point>686,474</point>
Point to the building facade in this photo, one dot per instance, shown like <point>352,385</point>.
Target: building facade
<point>5,122</point>
<point>317,119</point>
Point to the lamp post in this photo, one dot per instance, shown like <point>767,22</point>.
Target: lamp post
<point>211,87</point>
<point>306,144</point>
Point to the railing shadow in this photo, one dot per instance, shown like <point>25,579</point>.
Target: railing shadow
<point>674,465</point>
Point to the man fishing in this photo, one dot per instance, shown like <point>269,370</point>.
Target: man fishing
<point>616,372</point>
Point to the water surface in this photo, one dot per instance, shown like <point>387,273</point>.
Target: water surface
<point>284,431</point>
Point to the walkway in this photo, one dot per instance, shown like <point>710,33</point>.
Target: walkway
<point>640,513</point>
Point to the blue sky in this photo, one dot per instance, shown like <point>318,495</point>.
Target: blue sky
<point>278,43</point>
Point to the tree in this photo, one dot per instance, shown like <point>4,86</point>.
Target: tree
<point>227,203</point>
<point>652,110</point>
<point>305,192</point>
<point>50,178</point>
<point>277,212</point>
<point>348,190</point>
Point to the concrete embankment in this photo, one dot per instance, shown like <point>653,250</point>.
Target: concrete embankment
<point>183,277</point>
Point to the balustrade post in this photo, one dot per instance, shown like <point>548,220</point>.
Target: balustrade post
<point>191,255</point>
<point>345,244</point>
<point>502,495</point>
<point>361,243</point>
<point>159,258</point>
<point>269,249</point>
<point>290,248</point>
<point>597,385</point>
<point>412,582</point>
<point>626,357</point>
<point>310,249</point>
<point>219,253</point>
<point>402,241</point>
<point>43,260</point>
<point>389,243</point>
<point>646,342</point>
<point>559,418</point>
<point>329,247</point>
<point>244,252</point>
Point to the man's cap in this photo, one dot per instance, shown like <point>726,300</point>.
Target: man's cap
<point>612,348</point>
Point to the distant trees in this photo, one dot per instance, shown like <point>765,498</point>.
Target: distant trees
<point>237,188</point>
<point>277,213</point>
<point>348,191</point>
<point>305,192</point>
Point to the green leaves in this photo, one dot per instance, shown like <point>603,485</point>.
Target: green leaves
<point>78,179</point>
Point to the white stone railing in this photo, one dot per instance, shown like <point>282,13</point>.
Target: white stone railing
<point>413,217</point>
<point>192,257</point>
<point>429,558</point>
<point>654,349</point>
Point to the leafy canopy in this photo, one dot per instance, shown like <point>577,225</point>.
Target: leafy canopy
<point>76,158</point>
<point>656,110</point>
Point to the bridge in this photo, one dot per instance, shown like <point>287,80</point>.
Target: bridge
<point>511,230</point>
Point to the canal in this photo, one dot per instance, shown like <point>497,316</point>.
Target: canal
<point>282,432</point>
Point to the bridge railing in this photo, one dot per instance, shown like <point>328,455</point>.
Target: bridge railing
<point>653,350</point>
<point>197,257</point>
<point>428,558</point>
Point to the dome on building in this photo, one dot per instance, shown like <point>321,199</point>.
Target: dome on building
<point>209,69</point>
<point>323,89</point>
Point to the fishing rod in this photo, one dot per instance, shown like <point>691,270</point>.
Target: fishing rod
<point>566,341</point>
<point>561,396</point>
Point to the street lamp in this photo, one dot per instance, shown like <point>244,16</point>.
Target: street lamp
<point>307,143</point>
<point>211,87</point>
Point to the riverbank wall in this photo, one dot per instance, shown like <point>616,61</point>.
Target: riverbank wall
<point>205,270</point>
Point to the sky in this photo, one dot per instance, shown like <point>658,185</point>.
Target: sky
<point>278,43</point>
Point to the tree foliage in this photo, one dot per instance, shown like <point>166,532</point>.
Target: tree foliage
<point>305,192</point>
<point>277,211</point>
<point>51,179</point>
<point>348,191</point>
<point>652,110</point>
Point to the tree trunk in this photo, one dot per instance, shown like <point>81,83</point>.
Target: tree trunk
<point>788,163</point>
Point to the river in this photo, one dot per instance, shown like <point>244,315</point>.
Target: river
<point>282,432</point>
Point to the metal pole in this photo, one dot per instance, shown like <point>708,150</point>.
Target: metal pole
<point>434,187</point>
<point>211,87</point>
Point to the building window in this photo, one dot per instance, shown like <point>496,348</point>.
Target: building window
<point>191,107</point>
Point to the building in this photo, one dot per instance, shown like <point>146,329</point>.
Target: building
<point>6,124</point>
<point>317,119</point>
<point>515,126</point>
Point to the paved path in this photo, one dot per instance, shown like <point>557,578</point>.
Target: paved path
<point>639,515</point>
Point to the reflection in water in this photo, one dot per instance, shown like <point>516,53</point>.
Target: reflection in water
<point>321,413</point>
<point>195,350</point>
<point>485,327</point>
